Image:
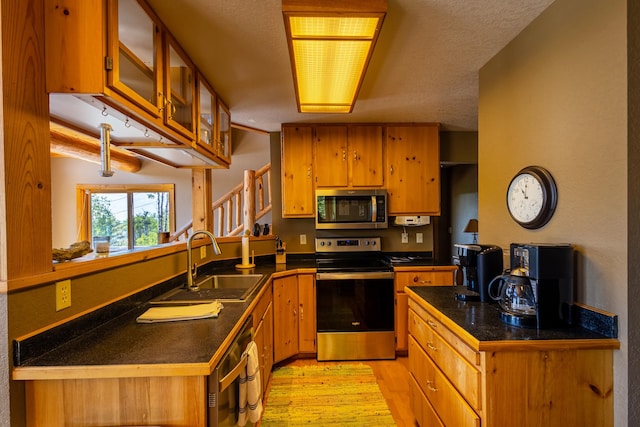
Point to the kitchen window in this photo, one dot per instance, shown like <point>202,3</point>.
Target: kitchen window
<point>126,216</point>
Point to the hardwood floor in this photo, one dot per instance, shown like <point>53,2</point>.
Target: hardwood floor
<point>393,380</point>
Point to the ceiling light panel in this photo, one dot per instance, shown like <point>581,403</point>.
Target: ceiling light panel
<point>330,48</point>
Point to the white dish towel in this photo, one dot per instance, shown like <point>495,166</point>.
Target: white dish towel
<point>250,387</point>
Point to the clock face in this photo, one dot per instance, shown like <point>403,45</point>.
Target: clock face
<point>531,197</point>
<point>525,198</point>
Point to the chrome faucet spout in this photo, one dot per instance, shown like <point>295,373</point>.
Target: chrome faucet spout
<point>192,268</point>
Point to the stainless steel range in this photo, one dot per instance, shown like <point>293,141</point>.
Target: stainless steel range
<point>354,300</point>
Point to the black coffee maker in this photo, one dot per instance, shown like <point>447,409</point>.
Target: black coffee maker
<point>479,264</point>
<point>550,270</point>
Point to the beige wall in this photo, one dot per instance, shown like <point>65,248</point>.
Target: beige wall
<point>556,96</point>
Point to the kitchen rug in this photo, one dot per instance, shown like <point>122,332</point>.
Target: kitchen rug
<point>321,395</point>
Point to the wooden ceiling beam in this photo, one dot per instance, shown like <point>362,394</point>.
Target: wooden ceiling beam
<point>71,143</point>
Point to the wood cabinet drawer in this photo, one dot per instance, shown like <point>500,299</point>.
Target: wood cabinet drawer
<point>464,376</point>
<point>423,278</point>
<point>472,356</point>
<point>420,406</point>
<point>450,406</point>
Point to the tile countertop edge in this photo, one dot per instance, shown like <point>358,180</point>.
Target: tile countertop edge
<point>37,371</point>
<point>508,337</point>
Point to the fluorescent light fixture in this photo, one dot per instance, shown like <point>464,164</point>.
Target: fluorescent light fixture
<point>330,44</point>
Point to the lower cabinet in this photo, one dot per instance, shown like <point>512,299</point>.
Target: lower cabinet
<point>415,276</point>
<point>458,381</point>
<point>263,335</point>
<point>293,316</point>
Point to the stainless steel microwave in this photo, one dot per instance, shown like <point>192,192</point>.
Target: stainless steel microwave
<point>351,209</point>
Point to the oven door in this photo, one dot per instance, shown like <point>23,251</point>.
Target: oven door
<point>355,316</point>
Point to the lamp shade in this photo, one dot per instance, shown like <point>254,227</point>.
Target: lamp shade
<point>472,226</point>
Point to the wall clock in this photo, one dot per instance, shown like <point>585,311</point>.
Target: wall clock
<point>532,197</point>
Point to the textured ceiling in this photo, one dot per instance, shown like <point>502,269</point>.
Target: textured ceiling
<point>424,69</point>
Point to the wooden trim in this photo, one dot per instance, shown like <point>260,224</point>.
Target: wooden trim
<point>249,129</point>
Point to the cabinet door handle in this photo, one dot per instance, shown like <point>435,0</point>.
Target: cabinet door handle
<point>301,312</point>
<point>425,281</point>
<point>431,387</point>
<point>355,155</point>
<point>308,172</point>
<point>391,169</point>
<point>432,347</point>
<point>432,324</point>
<point>344,155</point>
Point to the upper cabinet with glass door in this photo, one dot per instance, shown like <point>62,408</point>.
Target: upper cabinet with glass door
<point>179,110</point>
<point>117,57</point>
<point>223,140</point>
<point>207,125</point>
<point>134,56</point>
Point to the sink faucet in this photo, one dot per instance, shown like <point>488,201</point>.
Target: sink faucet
<point>192,268</point>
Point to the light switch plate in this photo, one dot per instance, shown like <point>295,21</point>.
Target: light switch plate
<point>303,239</point>
<point>405,237</point>
<point>203,252</point>
<point>418,237</point>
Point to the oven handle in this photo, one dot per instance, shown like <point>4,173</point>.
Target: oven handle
<point>355,275</point>
<point>233,375</point>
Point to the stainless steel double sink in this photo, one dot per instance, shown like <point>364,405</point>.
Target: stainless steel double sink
<point>216,287</point>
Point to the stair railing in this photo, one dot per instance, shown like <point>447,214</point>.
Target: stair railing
<point>236,210</point>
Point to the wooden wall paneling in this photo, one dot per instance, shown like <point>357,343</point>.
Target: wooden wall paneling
<point>26,222</point>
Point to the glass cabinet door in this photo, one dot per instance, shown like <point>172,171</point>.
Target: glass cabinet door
<point>207,114</point>
<point>134,46</point>
<point>180,80</point>
<point>223,141</point>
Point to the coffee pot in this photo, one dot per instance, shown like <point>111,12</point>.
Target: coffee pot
<point>515,296</point>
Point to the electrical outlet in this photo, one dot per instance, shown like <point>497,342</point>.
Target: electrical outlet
<point>418,237</point>
<point>303,239</point>
<point>63,294</point>
<point>405,237</point>
<point>203,252</point>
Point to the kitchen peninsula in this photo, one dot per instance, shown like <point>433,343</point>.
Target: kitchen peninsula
<point>162,367</point>
<point>468,368</point>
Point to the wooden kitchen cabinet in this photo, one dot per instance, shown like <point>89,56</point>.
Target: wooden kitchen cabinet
<point>348,156</point>
<point>298,197</point>
<point>307,319</point>
<point>223,139</point>
<point>285,318</point>
<point>124,67</point>
<point>294,316</point>
<point>412,173</point>
<point>330,156</point>
<point>456,380</point>
<point>180,89</point>
<point>415,276</point>
<point>263,334</point>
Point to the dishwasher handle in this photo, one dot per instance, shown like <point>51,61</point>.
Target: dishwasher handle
<point>233,375</point>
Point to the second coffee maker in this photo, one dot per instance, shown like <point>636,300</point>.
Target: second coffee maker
<point>479,264</point>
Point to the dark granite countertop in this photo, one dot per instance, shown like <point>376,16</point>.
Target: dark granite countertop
<point>482,320</point>
<point>111,337</point>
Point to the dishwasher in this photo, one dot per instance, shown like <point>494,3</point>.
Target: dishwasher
<point>224,382</point>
